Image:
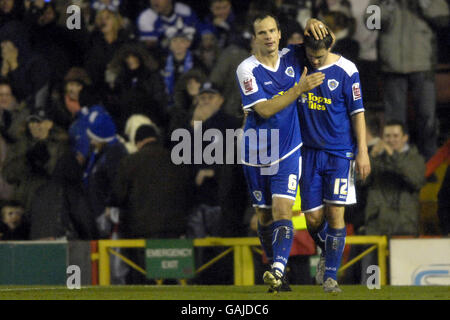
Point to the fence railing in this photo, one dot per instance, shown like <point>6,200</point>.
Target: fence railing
<point>244,272</point>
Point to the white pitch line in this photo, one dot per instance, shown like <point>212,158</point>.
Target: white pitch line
<point>31,289</point>
<point>28,289</point>
<point>83,287</point>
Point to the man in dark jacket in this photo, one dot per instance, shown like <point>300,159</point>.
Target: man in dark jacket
<point>151,192</point>
<point>398,174</point>
<point>219,186</point>
<point>32,159</point>
<point>60,208</point>
<point>393,189</point>
<point>152,195</point>
<point>208,115</point>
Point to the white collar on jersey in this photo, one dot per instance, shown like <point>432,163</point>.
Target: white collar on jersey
<point>330,65</point>
<point>277,65</point>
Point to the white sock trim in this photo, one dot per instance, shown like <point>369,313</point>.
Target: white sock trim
<point>279,266</point>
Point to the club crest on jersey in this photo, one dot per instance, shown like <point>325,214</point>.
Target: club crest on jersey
<point>356,91</point>
<point>290,72</point>
<point>248,85</point>
<point>258,195</point>
<point>333,84</point>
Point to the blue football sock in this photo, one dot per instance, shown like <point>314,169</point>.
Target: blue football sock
<point>265,237</point>
<point>283,235</point>
<point>319,235</point>
<point>334,247</point>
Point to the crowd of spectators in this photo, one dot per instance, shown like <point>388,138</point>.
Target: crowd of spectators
<point>86,115</point>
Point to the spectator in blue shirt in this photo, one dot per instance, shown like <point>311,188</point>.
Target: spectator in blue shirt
<point>156,24</point>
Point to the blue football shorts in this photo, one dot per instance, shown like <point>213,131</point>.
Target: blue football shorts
<point>279,180</point>
<point>326,178</point>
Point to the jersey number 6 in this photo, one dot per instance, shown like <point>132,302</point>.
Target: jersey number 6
<point>292,184</point>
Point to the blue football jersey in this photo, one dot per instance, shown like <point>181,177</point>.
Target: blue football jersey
<point>152,26</point>
<point>325,111</point>
<point>268,141</point>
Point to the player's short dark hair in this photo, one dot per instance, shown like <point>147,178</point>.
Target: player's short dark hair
<point>312,43</point>
<point>262,16</point>
<point>399,123</point>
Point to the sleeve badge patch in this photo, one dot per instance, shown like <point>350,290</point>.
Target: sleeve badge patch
<point>356,91</point>
<point>248,85</point>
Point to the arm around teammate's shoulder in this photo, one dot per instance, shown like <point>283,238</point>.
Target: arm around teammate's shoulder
<point>268,108</point>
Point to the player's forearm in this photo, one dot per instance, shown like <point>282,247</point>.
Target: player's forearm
<point>359,128</point>
<point>268,108</point>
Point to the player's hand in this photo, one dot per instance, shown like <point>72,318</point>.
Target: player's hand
<point>363,164</point>
<point>309,82</point>
<point>317,28</point>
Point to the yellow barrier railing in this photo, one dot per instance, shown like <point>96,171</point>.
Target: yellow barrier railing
<point>243,258</point>
<point>381,244</point>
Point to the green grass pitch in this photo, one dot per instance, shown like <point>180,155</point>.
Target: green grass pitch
<point>192,292</point>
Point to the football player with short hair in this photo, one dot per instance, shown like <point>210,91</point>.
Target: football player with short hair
<point>334,144</point>
<point>270,83</point>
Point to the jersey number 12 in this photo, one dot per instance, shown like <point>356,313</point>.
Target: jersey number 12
<point>340,186</point>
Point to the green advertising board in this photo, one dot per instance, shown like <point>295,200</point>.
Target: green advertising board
<point>33,262</point>
<point>169,258</point>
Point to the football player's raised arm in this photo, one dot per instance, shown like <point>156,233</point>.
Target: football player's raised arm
<point>268,108</point>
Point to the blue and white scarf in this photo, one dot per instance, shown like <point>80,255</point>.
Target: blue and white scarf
<point>95,158</point>
<point>169,71</point>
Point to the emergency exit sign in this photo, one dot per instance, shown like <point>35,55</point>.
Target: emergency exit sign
<point>169,258</point>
